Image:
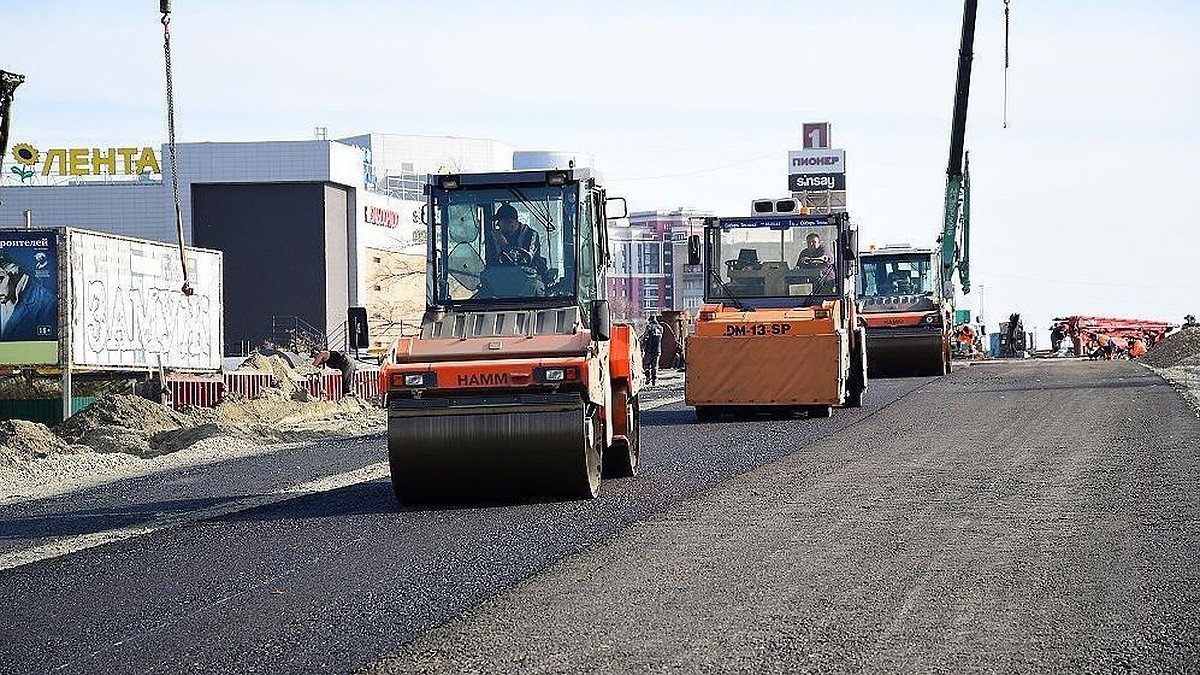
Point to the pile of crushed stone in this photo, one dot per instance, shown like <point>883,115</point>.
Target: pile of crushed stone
<point>274,420</point>
<point>1180,349</point>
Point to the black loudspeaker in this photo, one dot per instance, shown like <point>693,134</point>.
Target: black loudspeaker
<point>356,322</point>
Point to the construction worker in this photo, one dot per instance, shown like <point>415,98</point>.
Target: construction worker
<point>1056,337</point>
<point>323,358</point>
<point>1103,347</point>
<point>1137,348</point>
<point>513,243</point>
<point>652,348</point>
<point>966,339</point>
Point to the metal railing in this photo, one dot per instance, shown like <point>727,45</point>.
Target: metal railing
<point>296,335</point>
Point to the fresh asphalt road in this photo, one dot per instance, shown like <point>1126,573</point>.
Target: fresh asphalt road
<point>1023,516</point>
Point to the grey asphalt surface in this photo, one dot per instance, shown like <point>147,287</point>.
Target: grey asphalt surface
<point>1019,517</point>
<point>330,581</point>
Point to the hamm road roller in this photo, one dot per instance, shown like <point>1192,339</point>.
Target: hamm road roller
<point>519,383</point>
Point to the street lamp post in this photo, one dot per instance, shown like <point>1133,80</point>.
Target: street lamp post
<point>980,317</point>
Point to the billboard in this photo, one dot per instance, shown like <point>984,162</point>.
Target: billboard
<point>807,182</point>
<point>816,161</point>
<point>128,310</point>
<point>32,163</point>
<point>29,297</point>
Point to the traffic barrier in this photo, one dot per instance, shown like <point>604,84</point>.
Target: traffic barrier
<point>248,383</point>
<point>186,391</point>
<point>327,385</point>
<point>366,384</point>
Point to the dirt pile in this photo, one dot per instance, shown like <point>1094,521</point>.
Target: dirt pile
<point>22,441</point>
<point>126,424</point>
<point>1181,348</point>
<point>289,379</point>
<point>273,420</point>
<point>121,423</point>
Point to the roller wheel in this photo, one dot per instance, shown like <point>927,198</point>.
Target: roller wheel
<point>622,459</point>
<point>585,484</point>
<point>820,411</point>
<point>707,413</point>
<point>856,384</point>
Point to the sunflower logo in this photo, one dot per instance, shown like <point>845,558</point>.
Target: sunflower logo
<point>25,154</point>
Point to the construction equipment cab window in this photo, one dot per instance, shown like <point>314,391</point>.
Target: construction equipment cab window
<point>773,259</point>
<point>512,244</point>
<point>884,276</point>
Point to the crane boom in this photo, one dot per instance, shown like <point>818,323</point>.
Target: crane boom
<point>8,84</point>
<point>957,194</point>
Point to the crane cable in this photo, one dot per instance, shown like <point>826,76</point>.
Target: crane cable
<point>1006,32</point>
<point>165,8</point>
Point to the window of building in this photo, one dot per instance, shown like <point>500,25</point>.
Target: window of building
<point>649,256</point>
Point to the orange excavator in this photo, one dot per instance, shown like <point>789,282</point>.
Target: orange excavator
<point>519,384</point>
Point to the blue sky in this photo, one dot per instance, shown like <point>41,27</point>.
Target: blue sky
<point>1081,206</point>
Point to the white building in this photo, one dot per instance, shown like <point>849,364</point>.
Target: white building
<point>301,222</point>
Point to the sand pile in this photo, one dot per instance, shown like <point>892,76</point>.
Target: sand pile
<point>124,432</point>
<point>22,441</point>
<point>273,420</point>
<point>121,423</point>
<point>289,379</point>
<point>1181,348</point>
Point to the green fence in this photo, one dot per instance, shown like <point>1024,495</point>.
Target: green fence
<point>48,411</point>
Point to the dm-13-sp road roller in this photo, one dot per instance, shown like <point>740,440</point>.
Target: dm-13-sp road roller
<point>519,385</point>
<point>778,331</point>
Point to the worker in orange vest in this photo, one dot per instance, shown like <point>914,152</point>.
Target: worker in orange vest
<point>1103,347</point>
<point>966,338</point>
<point>1138,348</point>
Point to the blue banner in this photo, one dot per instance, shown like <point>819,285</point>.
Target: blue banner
<point>29,286</point>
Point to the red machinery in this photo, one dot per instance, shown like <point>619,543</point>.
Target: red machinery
<point>1082,330</point>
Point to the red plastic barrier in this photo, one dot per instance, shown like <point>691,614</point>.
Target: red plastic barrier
<point>248,383</point>
<point>327,386</point>
<point>366,384</point>
<point>186,391</point>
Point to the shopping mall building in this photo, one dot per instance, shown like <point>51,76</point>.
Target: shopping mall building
<point>308,228</point>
